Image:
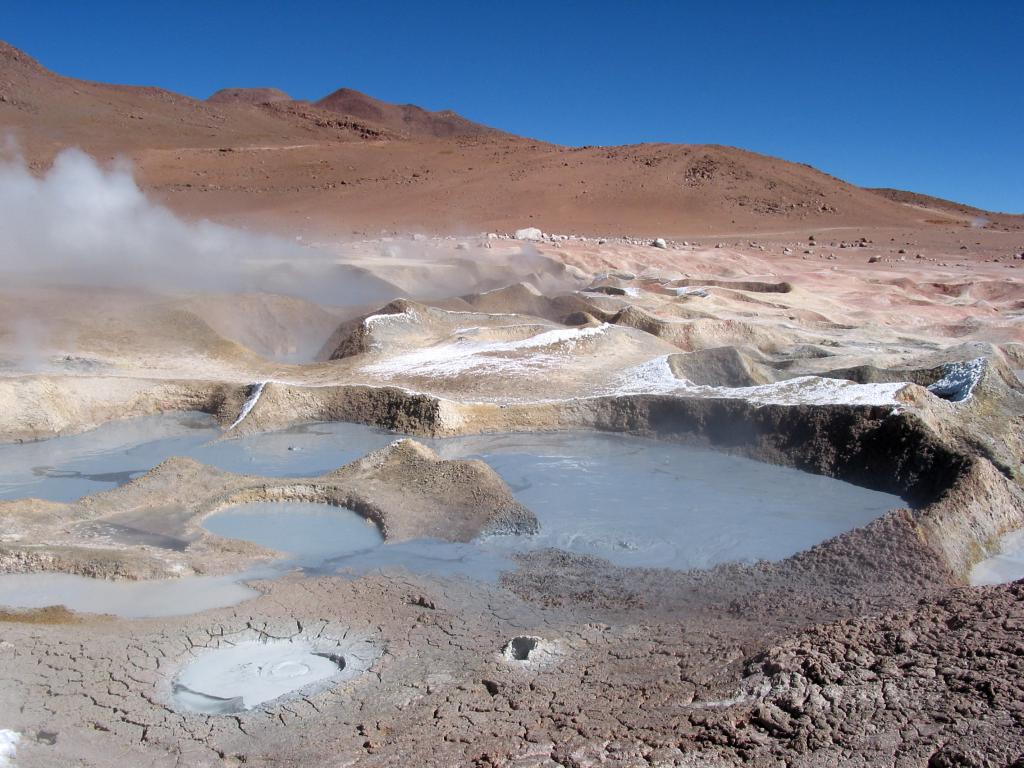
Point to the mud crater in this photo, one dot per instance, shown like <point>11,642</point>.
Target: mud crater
<point>254,668</point>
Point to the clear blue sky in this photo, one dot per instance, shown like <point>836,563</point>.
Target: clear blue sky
<point>922,95</point>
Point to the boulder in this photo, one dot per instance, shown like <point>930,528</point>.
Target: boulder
<point>529,233</point>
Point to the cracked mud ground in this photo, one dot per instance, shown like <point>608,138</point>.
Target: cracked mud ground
<point>931,682</point>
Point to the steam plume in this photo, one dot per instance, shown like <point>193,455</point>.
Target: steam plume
<point>82,223</point>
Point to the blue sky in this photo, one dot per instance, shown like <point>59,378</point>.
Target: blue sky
<point>927,96</point>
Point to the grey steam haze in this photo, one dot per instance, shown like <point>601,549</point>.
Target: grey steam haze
<point>84,224</point>
<point>91,233</point>
<point>80,223</point>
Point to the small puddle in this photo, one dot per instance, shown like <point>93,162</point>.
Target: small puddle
<point>1004,567</point>
<point>131,599</point>
<point>67,468</point>
<point>243,670</point>
<point>323,539</point>
<point>308,533</point>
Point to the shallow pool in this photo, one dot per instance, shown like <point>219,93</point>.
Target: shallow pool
<point>324,539</point>
<point>308,533</point>
<point>647,503</point>
<point>67,468</point>
<point>635,502</point>
<point>134,599</point>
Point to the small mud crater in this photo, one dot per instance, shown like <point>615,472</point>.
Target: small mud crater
<point>521,648</point>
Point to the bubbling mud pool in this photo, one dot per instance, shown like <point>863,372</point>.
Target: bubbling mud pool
<point>240,671</point>
<point>243,676</point>
<point>632,501</point>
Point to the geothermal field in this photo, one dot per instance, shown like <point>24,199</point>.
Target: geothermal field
<point>339,433</point>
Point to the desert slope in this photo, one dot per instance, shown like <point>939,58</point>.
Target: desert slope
<point>406,120</point>
<point>352,163</point>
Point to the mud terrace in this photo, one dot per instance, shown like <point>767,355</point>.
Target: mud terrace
<point>405,490</point>
<point>868,649</point>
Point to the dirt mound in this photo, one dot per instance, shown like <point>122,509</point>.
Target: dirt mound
<point>404,119</point>
<point>355,336</point>
<point>720,367</point>
<point>641,319</point>
<point>348,339</point>
<point>281,328</point>
<point>871,374</point>
<point>754,286</point>
<point>701,333</point>
<point>524,299</point>
<point>429,497</point>
<point>248,96</point>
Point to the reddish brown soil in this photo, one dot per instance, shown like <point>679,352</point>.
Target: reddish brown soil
<point>350,162</point>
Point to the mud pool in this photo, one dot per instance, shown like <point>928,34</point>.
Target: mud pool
<point>634,502</point>
<point>1003,567</point>
<point>644,503</point>
<point>67,468</point>
<point>132,599</point>
<point>308,533</point>
<point>242,676</point>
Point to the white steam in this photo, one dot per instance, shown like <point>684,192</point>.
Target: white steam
<point>8,746</point>
<point>80,223</point>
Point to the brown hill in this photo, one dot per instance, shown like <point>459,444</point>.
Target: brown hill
<point>978,216</point>
<point>352,163</point>
<point>404,119</point>
<point>248,96</point>
<point>48,112</point>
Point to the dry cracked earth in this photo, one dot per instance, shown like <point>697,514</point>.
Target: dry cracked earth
<point>837,355</point>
